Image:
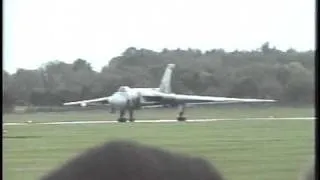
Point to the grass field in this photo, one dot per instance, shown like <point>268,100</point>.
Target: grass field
<point>242,150</point>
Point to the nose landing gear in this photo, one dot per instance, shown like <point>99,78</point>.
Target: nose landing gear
<point>181,113</point>
<point>123,119</point>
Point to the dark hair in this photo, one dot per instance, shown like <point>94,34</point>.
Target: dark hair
<point>122,160</point>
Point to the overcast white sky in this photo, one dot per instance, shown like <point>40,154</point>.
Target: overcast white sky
<point>38,31</point>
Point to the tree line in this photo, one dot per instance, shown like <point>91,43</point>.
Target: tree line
<point>287,76</point>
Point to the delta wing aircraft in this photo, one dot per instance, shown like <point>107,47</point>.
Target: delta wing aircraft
<point>130,99</point>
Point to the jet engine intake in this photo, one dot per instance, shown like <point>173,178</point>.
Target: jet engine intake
<point>83,104</point>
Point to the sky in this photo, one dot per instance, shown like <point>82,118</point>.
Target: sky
<point>38,31</point>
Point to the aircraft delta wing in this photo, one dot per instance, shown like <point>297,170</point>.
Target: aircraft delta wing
<point>194,99</point>
<point>186,100</point>
<point>174,98</point>
<point>89,101</point>
<point>191,100</point>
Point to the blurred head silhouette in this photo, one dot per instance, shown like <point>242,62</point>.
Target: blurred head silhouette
<point>123,160</point>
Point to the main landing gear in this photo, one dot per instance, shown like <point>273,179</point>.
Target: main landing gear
<point>123,119</point>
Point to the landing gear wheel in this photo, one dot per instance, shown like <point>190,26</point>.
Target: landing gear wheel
<point>132,120</point>
<point>122,120</point>
<point>181,118</point>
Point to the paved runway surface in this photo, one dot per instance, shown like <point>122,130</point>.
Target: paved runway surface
<point>157,121</point>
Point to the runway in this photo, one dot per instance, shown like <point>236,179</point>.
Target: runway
<point>156,121</point>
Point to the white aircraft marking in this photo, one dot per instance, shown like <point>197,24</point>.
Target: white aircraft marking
<point>158,121</point>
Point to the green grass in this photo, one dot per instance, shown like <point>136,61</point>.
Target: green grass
<point>192,113</point>
<point>242,150</point>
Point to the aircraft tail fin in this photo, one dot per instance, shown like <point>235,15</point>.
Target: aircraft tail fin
<point>165,85</point>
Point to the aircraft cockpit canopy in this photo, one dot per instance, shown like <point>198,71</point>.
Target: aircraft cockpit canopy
<point>123,89</point>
